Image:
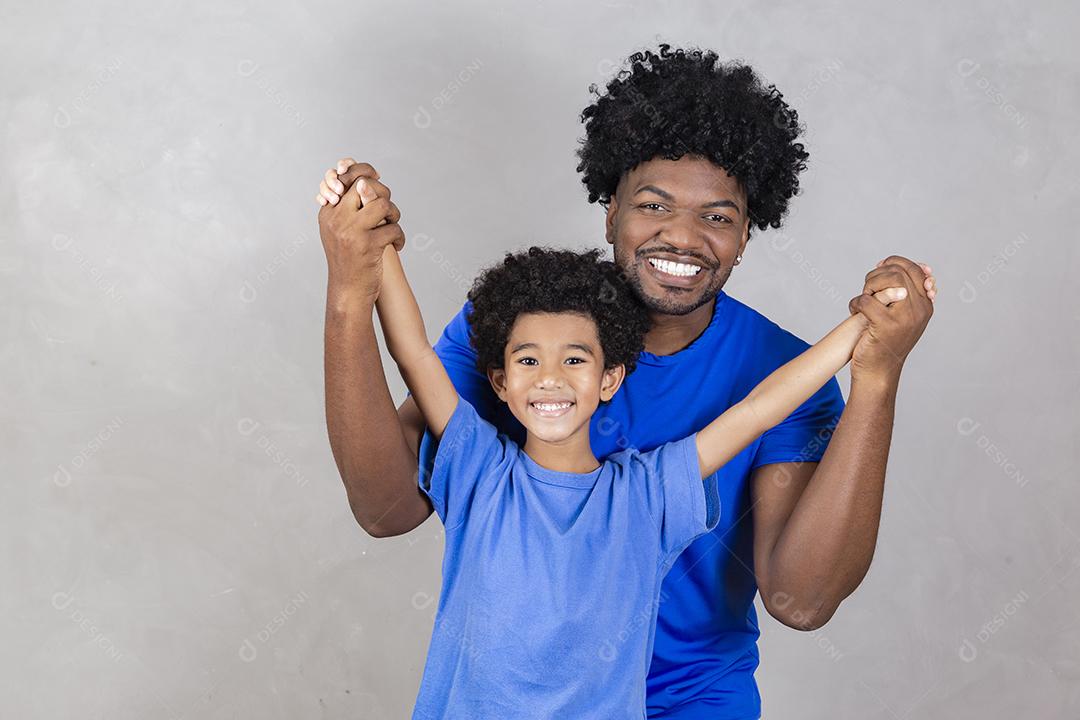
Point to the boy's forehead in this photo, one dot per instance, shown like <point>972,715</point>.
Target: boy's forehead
<point>553,329</point>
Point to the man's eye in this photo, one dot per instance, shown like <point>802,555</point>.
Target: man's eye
<point>652,205</point>
<point>720,218</point>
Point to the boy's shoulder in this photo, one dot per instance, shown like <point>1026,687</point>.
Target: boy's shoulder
<point>635,460</point>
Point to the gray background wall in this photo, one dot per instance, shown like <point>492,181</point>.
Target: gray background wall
<point>176,541</point>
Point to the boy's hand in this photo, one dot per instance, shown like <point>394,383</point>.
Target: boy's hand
<point>355,229</point>
<point>338,179</point>
<point>893,329</point>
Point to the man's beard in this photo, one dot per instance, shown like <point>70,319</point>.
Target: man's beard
<point>668,305</point>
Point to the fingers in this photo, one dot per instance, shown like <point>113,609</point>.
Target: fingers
<point>875,312</point>
<point>340,177</point>
<point>363,191</point>
<point>376,211</point>
<point>372,189</point>
<point>917,273</point>
<point>390,234</point>
<point>357,171</point>
<point>929,284</point>
<point>327,194</point>
<point>344,164</point>
<point>890,295</point>
<point>896,271</point>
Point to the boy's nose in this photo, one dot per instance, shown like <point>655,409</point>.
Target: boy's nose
<point>549,379</point>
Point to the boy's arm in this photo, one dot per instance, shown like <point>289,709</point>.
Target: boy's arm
<point>407,341</point>
<point>779,394</point>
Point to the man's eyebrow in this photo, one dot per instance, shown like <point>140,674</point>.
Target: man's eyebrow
<point>532,346</point>
<point>669,196</point>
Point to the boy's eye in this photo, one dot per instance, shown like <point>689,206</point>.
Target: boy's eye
<point>534,361</point>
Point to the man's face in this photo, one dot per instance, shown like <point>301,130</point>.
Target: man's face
<point>677,227</point>
<point>553,375</point>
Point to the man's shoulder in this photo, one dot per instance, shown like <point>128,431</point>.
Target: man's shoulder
<point>768,335</point>
<point>457,327</point>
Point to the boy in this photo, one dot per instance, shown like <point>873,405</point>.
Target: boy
<point>553,559</point>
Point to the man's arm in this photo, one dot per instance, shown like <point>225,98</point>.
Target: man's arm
<point>816,524</point>
<point>374,445</point>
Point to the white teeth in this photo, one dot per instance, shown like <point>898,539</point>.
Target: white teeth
<point>551,407</point>
<point>675,268</point>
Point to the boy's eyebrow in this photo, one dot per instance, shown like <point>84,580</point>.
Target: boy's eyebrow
<point>532,346</point>
<point>669,196</point>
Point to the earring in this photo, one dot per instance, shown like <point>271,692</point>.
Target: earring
<point>738,259</point>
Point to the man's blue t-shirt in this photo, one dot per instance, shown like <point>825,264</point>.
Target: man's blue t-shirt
<point>551,579</point>
<point>705,651</point>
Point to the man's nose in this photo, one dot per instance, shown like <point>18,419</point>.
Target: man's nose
<point>681,231</point>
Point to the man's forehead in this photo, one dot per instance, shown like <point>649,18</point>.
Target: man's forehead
<point>688,178</point>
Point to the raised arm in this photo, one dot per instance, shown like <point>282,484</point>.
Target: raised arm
<point>779,394</point>
<point>374,444</point>
<point>407,341</point>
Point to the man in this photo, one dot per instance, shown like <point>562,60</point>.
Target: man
<point>687,155</point>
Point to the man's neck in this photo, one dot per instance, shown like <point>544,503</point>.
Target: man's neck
<point>668,334</point>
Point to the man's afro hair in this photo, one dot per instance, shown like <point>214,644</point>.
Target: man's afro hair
<point>548,280</point>
<point>684,102</point>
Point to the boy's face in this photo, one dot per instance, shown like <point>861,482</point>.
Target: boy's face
<point>553,375</point>
<point>677,227</point>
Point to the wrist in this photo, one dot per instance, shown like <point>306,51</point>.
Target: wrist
<point>885,382</point>
<point>348,299</point>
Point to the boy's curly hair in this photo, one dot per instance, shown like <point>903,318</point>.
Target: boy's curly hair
<point>683,102</point>
<point>543,279</point>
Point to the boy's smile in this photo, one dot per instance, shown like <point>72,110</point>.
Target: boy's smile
<point>553,378</point>
<point>551,408</point>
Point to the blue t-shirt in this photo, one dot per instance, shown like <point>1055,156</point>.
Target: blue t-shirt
<point>551,579</point>
<point>705,651</point>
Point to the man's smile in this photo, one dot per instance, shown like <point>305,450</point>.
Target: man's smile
<point>675,270</point>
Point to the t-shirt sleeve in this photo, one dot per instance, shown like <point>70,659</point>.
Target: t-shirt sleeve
<point>450,470</point>
<point>803,435</point>
<point>687,505</point>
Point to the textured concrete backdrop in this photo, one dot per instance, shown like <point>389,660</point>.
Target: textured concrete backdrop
<point>176,540</point>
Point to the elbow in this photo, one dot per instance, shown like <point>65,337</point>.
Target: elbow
<point>399,518</point>
<point>375,528</point>
<point>804,616</point>
<point>378,531</point>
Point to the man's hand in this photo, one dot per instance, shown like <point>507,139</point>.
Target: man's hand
<point>355,228</point>
<point>893,329</point>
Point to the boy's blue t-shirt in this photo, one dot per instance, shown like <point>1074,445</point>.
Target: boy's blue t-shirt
<point>551,579</point>
<point>705,650</point>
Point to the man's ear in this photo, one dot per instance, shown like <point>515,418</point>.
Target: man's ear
<point>609,221</point>
<point>743,242</point>
<point>612,381</point>
<point>497,378</point>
